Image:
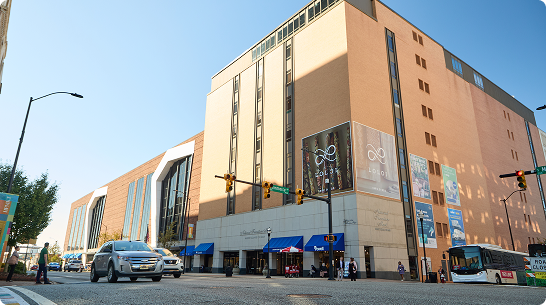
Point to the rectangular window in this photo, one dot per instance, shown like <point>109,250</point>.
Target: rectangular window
<point>504,114</point>
<point>431,167</point>
<point>423,63</point>
<point>529,218</point>
<point>445,229</point>
<point>267,45</point>
<point>433,140</point>
<point>525,216</point>
<point>525,197</point>
<point>405,190</point>
<point>421,86</point>
<point>259,119</point>
<point>402,159</point>
<point>418,59</point>
<point>508,131</point>
<point>296,23</point>
<point>279,36</point>
<point>324,4</point>
<point>427,138</point>
<point>512,135</point>
<point>439,229</point>
<point>512,153</point>
<point>393,70</point>
<point>395,96</point>
<point>457,67</point>
<point>302,19</point>
<point>284,32</point>
<point>288,103</point>
<point>257,172</point>
<point>311,12</point>
<point>420,40</point>
<point>437,167</point>
<point>288,135</point>
<point>391,44</point>
<point>508,113</point>
<point>414,35</point>
<point>399,127</point>
<point>289,77</point>
<point>434,197</point>
<point>258,144</point>
<point>516,155</point>
<point>424,110</point>
<point>253,55</point>
<point>427,90</point>
<point>288,51</point>
<point>441,198</point>
<point>290,28</point>
<point>430,114</point>
<point>478,81</point>
<point>317,8</point>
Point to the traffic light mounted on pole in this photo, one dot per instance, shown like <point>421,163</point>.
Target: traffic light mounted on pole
<point>229,181</point>
<point>522,184</point>
<point>299,194</point>
<point>267,192</point>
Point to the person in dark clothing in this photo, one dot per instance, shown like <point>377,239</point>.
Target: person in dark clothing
<point>352,269</point>
<point>42,265</point>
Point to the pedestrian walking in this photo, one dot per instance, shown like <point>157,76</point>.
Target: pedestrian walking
<point>42,265</point>
<point>442,274</point>
<point>352,269</point>
<point>340,268</point>
<point>401,270</point>
<point>12,262</point>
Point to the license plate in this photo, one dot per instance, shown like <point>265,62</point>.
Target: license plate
<point>145,266</point>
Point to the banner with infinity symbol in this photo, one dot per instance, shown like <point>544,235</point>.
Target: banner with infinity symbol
<point>328,150</point>
<point>376,165</point>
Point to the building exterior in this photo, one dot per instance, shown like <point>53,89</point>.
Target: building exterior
<point>351,88</point>
<point>406,125</point>
<point>141,204</point>
<point>5,10</point>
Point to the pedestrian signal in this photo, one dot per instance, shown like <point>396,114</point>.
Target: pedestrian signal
<point>299,194</point>
<point>521,180</point>
<point>329,238</point>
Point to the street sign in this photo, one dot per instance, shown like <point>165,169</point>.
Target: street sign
<point>280,189</point>
<point>541,170</point>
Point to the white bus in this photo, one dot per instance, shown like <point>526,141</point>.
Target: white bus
<point>485,263</point>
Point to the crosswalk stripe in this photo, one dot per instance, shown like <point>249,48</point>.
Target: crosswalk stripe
<point>34,296</point>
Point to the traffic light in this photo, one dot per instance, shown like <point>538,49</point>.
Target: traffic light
<point>521,180</point>
<point>299,194</point>
<point>229,181</point>
<point>267,192</point>
<point>328,238</point>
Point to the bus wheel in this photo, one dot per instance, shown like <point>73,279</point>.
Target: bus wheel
<point>498,279</point>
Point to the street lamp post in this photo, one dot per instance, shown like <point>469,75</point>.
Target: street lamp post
<point>23,134</point>
<point>421,217</point>
<point>268,253</point>
<point>508,218</point>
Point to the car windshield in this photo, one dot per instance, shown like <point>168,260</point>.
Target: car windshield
<point>131,246</point>
<point>164,252</point>
<point>466,260</point>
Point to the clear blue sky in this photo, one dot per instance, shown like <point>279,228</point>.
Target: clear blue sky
<point>144,68</point>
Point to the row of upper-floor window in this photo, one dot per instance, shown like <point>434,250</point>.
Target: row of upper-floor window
<point>297,22</point>
<point>458,69</point>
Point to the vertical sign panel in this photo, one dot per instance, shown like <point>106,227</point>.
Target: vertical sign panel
<point>332,145</point>
<point>450,185</point>
<point>8,204</point>
<point>376,163</point>
<point>456,228</point>
<point>427,232</point>
<point>419,177</point>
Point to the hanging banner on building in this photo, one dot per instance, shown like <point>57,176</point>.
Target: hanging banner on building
<point>376,163</point>
<point>190,230</point>
<point>456,227</point>
<point>419,176</point>
<point>333,146</point>
<point>8,204</point>
<point>543,141</point>
<point>450,185</point>
<point>427,232</point>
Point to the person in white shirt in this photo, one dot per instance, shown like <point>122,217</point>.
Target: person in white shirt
<point>340,269</point>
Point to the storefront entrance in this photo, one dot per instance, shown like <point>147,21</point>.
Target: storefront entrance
<point>323,258</point>
<point>288,259</point>
<point>230,259</point>
<point>255,262</point>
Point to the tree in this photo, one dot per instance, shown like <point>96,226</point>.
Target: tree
<point>116,235</point>
<point>36,201</point>
<point>167,239</point>
<point>54,253</point>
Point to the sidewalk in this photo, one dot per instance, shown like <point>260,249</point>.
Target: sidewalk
<point>222,275</point>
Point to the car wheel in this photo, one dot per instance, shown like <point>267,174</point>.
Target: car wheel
<point>177,275</point>
<point>156,278</point>
<point>133,279</point>
<point>112,277</point>
<point>93,275</point>
<point>498,279</point>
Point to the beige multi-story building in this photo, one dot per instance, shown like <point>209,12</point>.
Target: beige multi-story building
<point>5,10</point>
<point>401,124</point>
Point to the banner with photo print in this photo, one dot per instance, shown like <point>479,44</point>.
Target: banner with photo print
<point>419,177</point>
<point>456,227</point>
<point>450,185</point>
<point>331,146</point>
<point>428,233</point>
<point>375,162</point>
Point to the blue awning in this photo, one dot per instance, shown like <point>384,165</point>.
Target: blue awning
<point>317,243</point>
<point>66,255</point>
<point>79,255</point>
<point>206,248</point>
<point>278,243</point>
<point>189,251</point>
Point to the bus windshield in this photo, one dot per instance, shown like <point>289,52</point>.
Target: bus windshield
<point>465,260</point>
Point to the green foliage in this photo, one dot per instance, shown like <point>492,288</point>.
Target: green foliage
<point>116,235</point>
<point>20,268</point>
<point>167,239</point>
<point>36,201</point>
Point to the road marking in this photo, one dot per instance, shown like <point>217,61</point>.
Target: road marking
<point>34,296</point>
<point>9,297</point>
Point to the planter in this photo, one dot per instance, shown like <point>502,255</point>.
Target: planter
<point>236,271</point>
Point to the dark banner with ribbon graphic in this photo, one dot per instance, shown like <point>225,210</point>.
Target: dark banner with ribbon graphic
<point>333,146</point>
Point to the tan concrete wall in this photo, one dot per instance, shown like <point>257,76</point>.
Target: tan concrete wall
<point>229,72</point>
<point>116,197</point>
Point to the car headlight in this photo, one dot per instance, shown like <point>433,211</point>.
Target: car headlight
<point>125,258</point>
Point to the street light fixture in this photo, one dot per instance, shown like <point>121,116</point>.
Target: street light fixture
<point>421,217</point>
<point>541,107</point>
<point>508,218</point>
<point>23,134</point>
<point>268,253</point>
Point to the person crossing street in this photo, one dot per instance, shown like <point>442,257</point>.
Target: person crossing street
<point>42,265</point>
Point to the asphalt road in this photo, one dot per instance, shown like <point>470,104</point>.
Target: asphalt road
<point>215,289</point>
